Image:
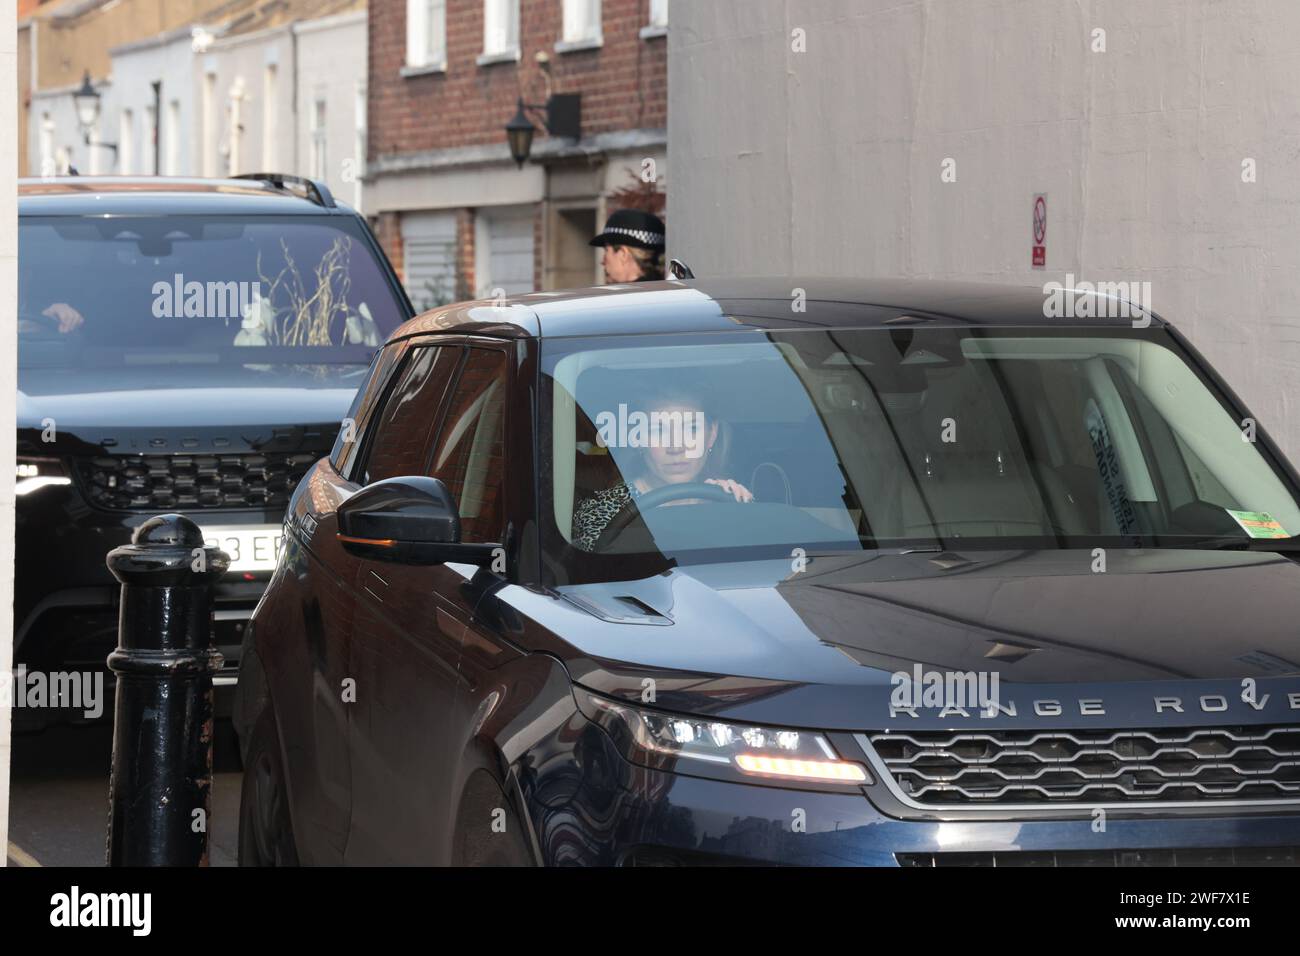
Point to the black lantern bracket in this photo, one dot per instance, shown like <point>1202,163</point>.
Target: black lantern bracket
<point>561,114</point>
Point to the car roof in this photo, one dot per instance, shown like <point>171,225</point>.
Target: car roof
<point>162,195</point>
<point>766,303</point>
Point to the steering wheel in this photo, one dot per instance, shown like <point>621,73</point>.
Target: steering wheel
<point>654,499</point>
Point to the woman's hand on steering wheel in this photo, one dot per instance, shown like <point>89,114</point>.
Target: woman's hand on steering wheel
<point>735,488</point>
<point>68,318</point>
<point>710,490</point>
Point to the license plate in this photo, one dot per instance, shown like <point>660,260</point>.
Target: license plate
<point>251,547</point>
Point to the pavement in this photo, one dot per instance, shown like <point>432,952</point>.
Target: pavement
<point>58,796</point>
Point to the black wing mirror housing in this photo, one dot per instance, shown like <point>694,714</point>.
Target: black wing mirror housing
<point>408,520</point>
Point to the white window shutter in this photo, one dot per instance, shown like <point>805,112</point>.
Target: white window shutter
<point>429,258</point>
<point>436,32</point>
<point>417,32</point>
<point>491,26</point>
<point>500,26</point>
<point>581,20</point>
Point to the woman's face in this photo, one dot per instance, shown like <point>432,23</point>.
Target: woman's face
<point>680,439</point>
<point>620,265</point>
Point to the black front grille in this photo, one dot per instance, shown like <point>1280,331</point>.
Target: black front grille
<point>1229,856</point>
<point>999,767</point>
<point>191,482</point>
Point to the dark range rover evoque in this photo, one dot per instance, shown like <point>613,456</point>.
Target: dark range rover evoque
<point>183,345</point>
<point>665,574</point>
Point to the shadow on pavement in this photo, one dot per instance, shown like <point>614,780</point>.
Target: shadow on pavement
<point>58,809</point>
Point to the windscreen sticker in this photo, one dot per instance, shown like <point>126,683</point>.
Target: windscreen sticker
<point>1258,524</point>
<point>1108,466</point>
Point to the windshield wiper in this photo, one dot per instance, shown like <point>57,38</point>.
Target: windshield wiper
<point>1278,545</point>
<point>922,546</point>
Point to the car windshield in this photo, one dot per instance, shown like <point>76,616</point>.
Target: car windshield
<point>258,293</point>
<point>860,439</point>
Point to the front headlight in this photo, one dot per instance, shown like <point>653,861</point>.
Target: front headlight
<point>722,749</point>
<point>33,473</point>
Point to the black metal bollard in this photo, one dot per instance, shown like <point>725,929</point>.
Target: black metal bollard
<point>164,662</point>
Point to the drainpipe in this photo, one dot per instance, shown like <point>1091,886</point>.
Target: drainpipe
<point>157,125</point>
<point>293,109</point>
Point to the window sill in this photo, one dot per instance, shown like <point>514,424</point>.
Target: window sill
<point>577,46</point>
<point>432,69</point>
<point>505,56</point>
<point>650,32</point>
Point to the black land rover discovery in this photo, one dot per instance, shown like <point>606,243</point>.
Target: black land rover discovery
<point>183,345</point>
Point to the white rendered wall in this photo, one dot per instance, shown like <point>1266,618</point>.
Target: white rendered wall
<point>830,161</point>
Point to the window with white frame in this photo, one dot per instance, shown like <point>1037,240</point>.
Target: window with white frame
<point>658,13</point>
<point>172,136</point>
<point>208,108</point>
<point>48,167</point>
<point>126,143</point>
<point>148,158</point>
<point>581,21</point>
<point>426,34</point>
<point>359,130</point>
<point>96,157</point>
<point>500,27</point>
<point>270,116</point>
<point>318,158</point>
<point>235,124</point>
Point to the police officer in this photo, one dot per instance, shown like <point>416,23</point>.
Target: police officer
<point>634,246</point>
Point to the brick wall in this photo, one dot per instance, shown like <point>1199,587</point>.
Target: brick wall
<point>466,283</point>
<point>539,245</point>
<point>388,231</point>
<point>623,83</point>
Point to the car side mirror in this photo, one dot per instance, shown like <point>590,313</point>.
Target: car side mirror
<point>409,520</point>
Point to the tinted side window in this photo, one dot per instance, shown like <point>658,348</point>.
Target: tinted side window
<point>353,424</point>
<point>469,457</point>
<point>404,426</point>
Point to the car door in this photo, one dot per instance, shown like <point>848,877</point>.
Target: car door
<point>305,628</point>
<point>410,625</point>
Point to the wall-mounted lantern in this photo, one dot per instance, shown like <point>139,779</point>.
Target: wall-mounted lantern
<point>87,101</point>
<point>561,114</point>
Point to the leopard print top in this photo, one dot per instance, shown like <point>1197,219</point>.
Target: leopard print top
<point>595,513</point>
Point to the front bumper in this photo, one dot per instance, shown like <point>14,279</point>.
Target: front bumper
<point>703,819</point>
<point>66,600</point>
<point>587,805</point>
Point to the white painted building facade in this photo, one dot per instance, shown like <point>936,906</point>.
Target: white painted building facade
<point>331,125</point>
<point>55,140</point>
<point>142,116</point>
<point>886,138</point>
<point>288,99</point>
<point>245,119</point>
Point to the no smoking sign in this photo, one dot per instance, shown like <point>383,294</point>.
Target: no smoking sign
<point>1039,245</point>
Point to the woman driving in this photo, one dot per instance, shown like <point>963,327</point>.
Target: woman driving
<point>679,444</point>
